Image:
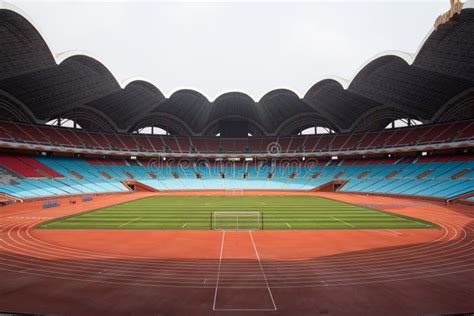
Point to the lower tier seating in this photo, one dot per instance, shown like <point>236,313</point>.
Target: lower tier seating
<point>443,176</point>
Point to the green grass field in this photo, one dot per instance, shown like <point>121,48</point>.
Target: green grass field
<point>197,212</point>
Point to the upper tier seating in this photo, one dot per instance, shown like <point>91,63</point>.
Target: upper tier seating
<point>64,137</point>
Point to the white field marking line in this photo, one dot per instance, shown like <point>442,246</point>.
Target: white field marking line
<point>340,284</point>
<point>263,272</point>
<point>289,226</point>
<point>69,249</point>
<point>27,232</point>
<point>340,220</point>
<point>184,225</point>
<point>218,270</point>
<point>130,221</point>
<point>266,282</point>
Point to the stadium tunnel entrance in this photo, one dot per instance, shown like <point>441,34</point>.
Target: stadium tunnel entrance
<point>136,186</point>
<point>332,186</point>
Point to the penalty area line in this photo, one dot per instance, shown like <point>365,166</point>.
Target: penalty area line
<point>340,220</point>
<point>263,272</point>
<point>135,219</point>
<point>218,270</point>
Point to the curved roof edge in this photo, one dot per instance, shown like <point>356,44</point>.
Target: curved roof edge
<point>124,83</point>
<point>469,4</point>
<point>409,58</point>
<point>345,83</point>
<point>61,57</point>
<point>11,7</point>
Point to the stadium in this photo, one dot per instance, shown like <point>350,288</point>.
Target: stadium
<point>119,200</point>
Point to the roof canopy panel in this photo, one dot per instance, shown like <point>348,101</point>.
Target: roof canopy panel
<point>450,49</point>
<point>22,49</point>
<point>137,99</point>
<point>234,104</point>
<point>387,87</point>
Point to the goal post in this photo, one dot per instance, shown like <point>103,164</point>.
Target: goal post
<point>237,220</point>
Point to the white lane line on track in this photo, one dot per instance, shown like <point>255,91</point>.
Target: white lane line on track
<point>218,271</point>
<point>471,229</point>
<point>340,220</point>
<point>76,250</point>
<point>385,231</point>
<point>263,272</point>
<point>135,219</point>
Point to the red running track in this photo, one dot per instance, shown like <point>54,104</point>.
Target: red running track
<point>329,272</point>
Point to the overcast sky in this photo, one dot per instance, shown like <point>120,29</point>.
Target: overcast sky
<point>216,47</point>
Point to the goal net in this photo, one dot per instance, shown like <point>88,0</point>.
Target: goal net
<point>234,192</point>
<point>236,220</point>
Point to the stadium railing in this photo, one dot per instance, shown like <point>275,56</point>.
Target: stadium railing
<point>64,137</point>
